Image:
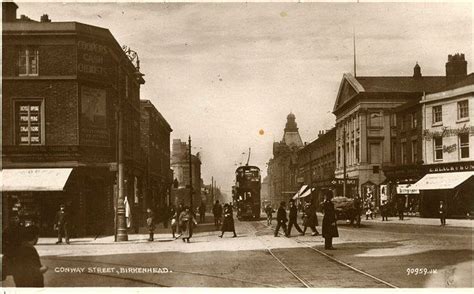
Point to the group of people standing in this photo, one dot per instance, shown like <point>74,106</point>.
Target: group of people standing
<point>310,219</point>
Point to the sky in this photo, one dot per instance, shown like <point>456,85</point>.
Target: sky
<point>221,72</point>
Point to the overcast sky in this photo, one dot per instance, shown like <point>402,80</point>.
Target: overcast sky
<point>222,72</point>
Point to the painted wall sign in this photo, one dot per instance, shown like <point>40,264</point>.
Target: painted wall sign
<point>448,132</point>
<point>93,59</point>
<point>94,130</point>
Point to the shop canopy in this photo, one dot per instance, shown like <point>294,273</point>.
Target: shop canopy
<point>442,181</point>
<point>40,179</point>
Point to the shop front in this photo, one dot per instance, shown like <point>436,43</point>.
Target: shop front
<point>453,188</point>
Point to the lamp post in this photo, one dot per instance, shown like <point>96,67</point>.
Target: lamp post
<point>190,176</point>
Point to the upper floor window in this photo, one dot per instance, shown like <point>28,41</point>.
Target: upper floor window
<point>28,122</point>
<point>463,109</point>
<point>437,114</point>
<point>393,119</point>
<point>414,121</point>
<point>414,151</point>
<point>28,62</point>
<point>404,152</point>
<point>438,148</point>
<point>357,151</point>
<point>464,145</point>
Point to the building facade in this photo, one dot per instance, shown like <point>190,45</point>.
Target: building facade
<point>64,86</point>
<point>316,165</point>
<point>155,141</point>
<point>181,177</point>
<point>365,121</point>
<point>448,140</point>
<point>283,167</point>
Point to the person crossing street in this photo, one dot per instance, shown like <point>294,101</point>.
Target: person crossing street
<point>281,219</point>
<point>293,219</point>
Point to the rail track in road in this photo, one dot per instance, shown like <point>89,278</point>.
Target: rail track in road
<point>304,281</point>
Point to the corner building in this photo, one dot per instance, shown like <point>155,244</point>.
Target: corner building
<point>64,86</point>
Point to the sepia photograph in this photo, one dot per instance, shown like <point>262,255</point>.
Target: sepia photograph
<point>245,145</point>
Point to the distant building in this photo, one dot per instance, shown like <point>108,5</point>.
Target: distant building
<point>282,168</point>
<point>63,83</point>
<point>155,141</point>
<point>316,165</point>
<point>181,180</point>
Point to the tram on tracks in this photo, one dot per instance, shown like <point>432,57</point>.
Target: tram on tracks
<point>246,192</point>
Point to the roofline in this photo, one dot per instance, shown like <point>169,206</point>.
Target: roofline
<point>353,82</point>
<point>148,103</point>
<point>447,94</point>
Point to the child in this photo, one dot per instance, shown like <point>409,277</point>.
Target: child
<point>28,271</point>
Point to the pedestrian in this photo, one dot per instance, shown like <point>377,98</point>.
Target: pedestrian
<point>269,211</point>
<point>442,213</point>
<point>10,243</point>
<point>357,211</point>
<point>310,219</point>
<point>187,222</point>
<point>368,210</point>
<point>329,222</point>
<point>173,221</point>
<point>281,219</point>
<point>61,224</point>
<point>202,212</point>
<point>150,223</point>
<point>401,208</point>
<point>179,210</point>
<point>217,212</point>
<point>383,210</point>
<point>228,223</point>
<point>27,270</point>
<point>293,219</point>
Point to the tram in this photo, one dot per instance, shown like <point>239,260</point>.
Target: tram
<point>246,192</point>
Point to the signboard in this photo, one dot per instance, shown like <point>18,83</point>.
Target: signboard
<point>405,189</point>
<point>94,130</point>
<point>451,167</point>
<point>383,193</point>
<point>448,132</point>
<point>93,60</point>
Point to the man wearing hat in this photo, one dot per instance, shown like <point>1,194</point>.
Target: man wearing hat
<point>61,224</point>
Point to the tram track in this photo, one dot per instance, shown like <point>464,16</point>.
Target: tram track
<point>306,283</point>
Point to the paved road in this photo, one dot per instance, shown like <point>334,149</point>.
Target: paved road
<point>376,255</point>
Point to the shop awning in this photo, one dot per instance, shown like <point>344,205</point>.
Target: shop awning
<point>40,179</point>
<point>441,181</point>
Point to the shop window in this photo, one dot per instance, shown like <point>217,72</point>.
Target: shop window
<point>437,114</point>
<point>438,148</point>
<point>28,62</point>
<point>414,151</point>
<point>404,152</point>
<point>463,109</point>
<point>464,145</point>
<point>28,122</point>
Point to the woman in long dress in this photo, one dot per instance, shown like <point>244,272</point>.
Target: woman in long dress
<point>228,224</point>
<point>187,222</point>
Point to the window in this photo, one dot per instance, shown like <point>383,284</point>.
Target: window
<point>357,151</point>
<point>437,114</point>
<point>28,62</point>
<point>414,151</point>
<point>463,109</point>
<point>464,145</point>
<point>393,119</point>
<point>414,121</point>
<point>339,155</point>
<point>438,148</point>
<point>393,152</point>
<point>375,154</point>
<point>28,122</point>
<point>404,152</point>
<point>402,122</point>
<point>126,86</point>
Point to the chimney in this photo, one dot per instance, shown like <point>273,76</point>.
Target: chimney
<point>9,11</point>
<point>417,71</point>
<point>456,68</point>
<point>45,18</point>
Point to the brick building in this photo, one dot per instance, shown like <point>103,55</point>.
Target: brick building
<point>155,141</point>
<point>63,83</point>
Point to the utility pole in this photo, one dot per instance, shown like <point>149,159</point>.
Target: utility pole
<point>344,192</point>
<point>212,190</point>
<point>121,233</point>
<point>190,176</point>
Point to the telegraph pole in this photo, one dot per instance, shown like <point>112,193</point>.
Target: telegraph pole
<point>344,189</point>
<point>190,176</point>
<point>121,234</point>
<point>212,190</point>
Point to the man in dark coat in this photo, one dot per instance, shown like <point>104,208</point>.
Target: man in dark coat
<point>228,224</point>
<point>61,223</point>
<point>329,222</point>
<point>384,210</point>
<point>401,208</point>
<point>357,211</point>
<point>281,218</point>
<point>310,219</point>
<point>442,213</point>
<point>293,216</point>
<point>217,211</point>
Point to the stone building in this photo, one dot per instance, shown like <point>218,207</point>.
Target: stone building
<point>181,181</point>
<point>64,86</point>
<point>155,141</point>
<point>282,168</point>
